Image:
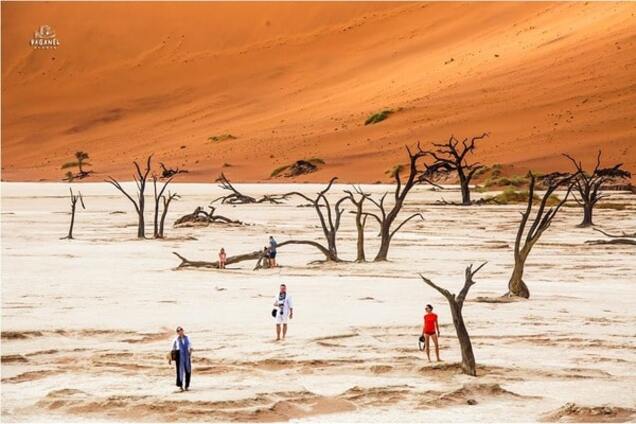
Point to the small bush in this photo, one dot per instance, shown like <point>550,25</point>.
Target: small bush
<point>316,161</point>
<point>276,172</point>
<point>612,206</point>
<point>215,138</point>
<point>511,196</point>
<point>498,181</point>
<point>378,117</point>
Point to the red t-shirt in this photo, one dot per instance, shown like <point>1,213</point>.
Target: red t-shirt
<point>429,323</point>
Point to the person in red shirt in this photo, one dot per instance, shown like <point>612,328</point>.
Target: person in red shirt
<point>431,331</point>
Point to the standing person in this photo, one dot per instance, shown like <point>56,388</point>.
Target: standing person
<point>272,252</point>
<point>431,331</point>
<point>222,258</point>
<point>181,353</point>
<point>284,311</point>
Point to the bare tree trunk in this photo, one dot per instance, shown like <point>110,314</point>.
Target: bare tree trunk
<point>141,224</point>
<point>157,233</point>
<point>360,221</point>
<point>465,190</point>
<point>452,157</point>
<point>140,203</point>
<point>329,219</point>
<point>465,345</point>
<point>516,286</point>
<point>456,304</point>
<point>588,208</point>
<point>70,229</point>
<point>589,185</point>
<point>166,205</point>
<point>540,223</point>
<point>74,200</point>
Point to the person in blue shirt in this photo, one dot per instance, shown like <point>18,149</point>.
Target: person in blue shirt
<point>272,252</point>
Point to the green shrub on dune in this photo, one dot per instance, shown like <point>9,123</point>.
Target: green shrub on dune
<point>378,117</point>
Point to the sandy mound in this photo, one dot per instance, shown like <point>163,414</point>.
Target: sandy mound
<point>571,413</point>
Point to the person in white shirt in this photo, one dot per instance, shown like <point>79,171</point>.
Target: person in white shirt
<point>284,311</point>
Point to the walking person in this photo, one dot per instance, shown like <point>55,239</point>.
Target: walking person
<point>284,311</point>
<point>431,331</point>
<point>222,258</point>
<point>272,252</point>
<point>181,353</point>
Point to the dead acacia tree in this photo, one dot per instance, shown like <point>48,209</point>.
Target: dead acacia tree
<point>452,157</point>
<point>360,218</point>
<point>140,181</point>
<point>588,185</point>
<point>236,197</point>
<point>166,200</point>
<point>329,219</point>
<point>158,195</point>
<point>387,217</point>
<point>541,222</point>
<point>456,304</point>
<point>170,172</point>
<point>199,217</point>
<point>623,238</point>
<point>74,199</point>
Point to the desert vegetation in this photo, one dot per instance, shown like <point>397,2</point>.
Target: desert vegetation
<point>80,162</point>
<point>300,167</point>
<point>378,116</point>
<point>221,137</point>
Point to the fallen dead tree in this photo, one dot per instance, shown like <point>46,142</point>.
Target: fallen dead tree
<point>200,218</point>
<point>456,304</point>
<point>256,255</point>
<point>623,238</point>
<point>236,197</point>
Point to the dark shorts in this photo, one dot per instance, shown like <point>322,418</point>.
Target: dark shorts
<point>272,255</point>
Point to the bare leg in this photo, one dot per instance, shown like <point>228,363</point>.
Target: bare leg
<point>284,330</point>
<point>434,336</point>
<point>277,332</point>
<point>427,345</point>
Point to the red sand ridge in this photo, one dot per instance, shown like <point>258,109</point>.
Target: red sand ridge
<point>249,88</point>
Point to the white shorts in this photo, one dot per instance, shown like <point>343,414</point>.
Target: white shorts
<point>281,319</point>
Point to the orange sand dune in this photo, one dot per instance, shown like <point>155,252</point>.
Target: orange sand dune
<point>297,80</point>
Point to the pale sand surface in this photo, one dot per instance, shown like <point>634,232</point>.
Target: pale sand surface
<point>97,314</point>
